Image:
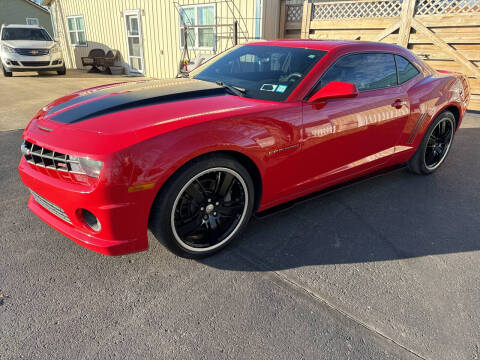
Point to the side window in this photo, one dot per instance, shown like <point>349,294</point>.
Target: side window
<point>76,29</point>
<point>367,71</point>
<point>32,21</point>
<point>406,70</point>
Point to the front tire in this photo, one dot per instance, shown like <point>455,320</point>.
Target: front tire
<point>6,73</point>
<point>204,206</point>
<point>62,71</point>
<point>435,145</point>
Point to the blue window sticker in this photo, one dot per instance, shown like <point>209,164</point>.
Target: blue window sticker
<point>268,87</point>
<point>281,88</point>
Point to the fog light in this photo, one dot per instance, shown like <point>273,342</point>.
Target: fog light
<point>91,220</point>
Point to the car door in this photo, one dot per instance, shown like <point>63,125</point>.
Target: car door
<point>345,136</point>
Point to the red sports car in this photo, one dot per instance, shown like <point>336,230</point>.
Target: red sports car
<point>259,125</point>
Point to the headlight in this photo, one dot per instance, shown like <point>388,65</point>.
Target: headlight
<point>55,49</point>
<point>7,49</point>
<point>89,166</point>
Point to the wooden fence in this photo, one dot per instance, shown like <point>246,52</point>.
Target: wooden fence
<point>446,33</point>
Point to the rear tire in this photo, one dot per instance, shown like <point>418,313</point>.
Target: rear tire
<point>435,145</point>
<point>203,207</point>
<point>6,73</point>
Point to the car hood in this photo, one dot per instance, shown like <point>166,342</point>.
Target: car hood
<point>28,44</point>
<point>125,113</point>
<point>99,101</point>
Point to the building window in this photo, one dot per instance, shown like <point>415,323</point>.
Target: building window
<point>32,21</point>
<point>76,30</point>
<point>202,38</point>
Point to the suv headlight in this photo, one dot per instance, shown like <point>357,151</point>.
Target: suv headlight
<point>85,164</point>
<point>55,49</point>
<point>8,49</point>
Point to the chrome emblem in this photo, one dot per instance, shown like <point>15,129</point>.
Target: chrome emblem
<point>25,150</point>
<point>34,52</point>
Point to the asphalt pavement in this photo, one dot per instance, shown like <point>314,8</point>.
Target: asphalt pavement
<point>386,268</point>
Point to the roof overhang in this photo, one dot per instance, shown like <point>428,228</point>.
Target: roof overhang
<point>36,5</point>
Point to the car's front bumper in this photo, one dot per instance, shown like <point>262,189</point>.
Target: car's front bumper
<point>14,62</point>
<point>123,221</point>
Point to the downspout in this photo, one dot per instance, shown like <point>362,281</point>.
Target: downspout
<point>65,39</point>
<point>258,18</point>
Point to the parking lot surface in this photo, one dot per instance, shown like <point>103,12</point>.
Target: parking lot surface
<point>22,95</point>
<point>386,268</point>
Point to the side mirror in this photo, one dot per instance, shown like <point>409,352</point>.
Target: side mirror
<point>334,90</point>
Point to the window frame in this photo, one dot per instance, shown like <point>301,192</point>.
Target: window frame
<point>214,26</point>
<point>311,92</point>
<point>32,18</point>
<point>76,31</point>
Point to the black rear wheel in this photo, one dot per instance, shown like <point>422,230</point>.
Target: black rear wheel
<point>435,145</point>
<point>204,206</point>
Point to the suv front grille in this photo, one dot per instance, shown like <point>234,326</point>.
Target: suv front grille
<point>54,209</point>
<point>50,159</point>
<point>35,63</point>
<point>32,52</point>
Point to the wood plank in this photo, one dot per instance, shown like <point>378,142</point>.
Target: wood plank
<point>474,103</point>
<point>449,20</point>
<point>457,29</point>
<point>363,23</point>
<point>419,27</point>
<point>449,66</point>
<point>475,85</point>
<point>408,7</point>
<point>450,38</point>
<point>306,19</point>
<point>438,54</point>
<point>283,18</point>
<point>293,26</point>
<point>343,2</point>
<point>382,35</point>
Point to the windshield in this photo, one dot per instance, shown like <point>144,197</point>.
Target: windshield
<point>25,34</point>
<point>265,72</point>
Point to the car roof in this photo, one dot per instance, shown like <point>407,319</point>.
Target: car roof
<point>327,45</point>
<point>22,26</point>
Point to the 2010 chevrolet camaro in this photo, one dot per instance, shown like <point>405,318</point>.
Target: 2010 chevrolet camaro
<point>257,126</point>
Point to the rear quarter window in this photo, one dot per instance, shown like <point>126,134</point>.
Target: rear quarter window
<point>406,70</point>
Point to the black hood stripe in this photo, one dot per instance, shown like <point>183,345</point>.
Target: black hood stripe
<point>111,100</point>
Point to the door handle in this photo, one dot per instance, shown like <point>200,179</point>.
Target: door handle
<point>398,103</point>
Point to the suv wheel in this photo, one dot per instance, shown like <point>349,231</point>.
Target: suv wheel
<point>62,71</point>
<point>6,73</point>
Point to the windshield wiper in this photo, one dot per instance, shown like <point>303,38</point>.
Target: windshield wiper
<point>234,89</point>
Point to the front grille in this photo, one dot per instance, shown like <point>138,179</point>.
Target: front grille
<point>54,209</point>
<point>32,52</point>
<point>50,159</point>
<point>35,63</point>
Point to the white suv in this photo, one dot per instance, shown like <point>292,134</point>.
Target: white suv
<point>29,48</point>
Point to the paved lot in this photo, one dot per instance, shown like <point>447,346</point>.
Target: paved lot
<point>386,268</point>
<point>22,95</point>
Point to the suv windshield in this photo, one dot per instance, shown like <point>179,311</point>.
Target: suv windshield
<point>25,34</point>
<point>264,72</point>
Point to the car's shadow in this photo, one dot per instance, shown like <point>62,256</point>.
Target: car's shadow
<point>393,216</point>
